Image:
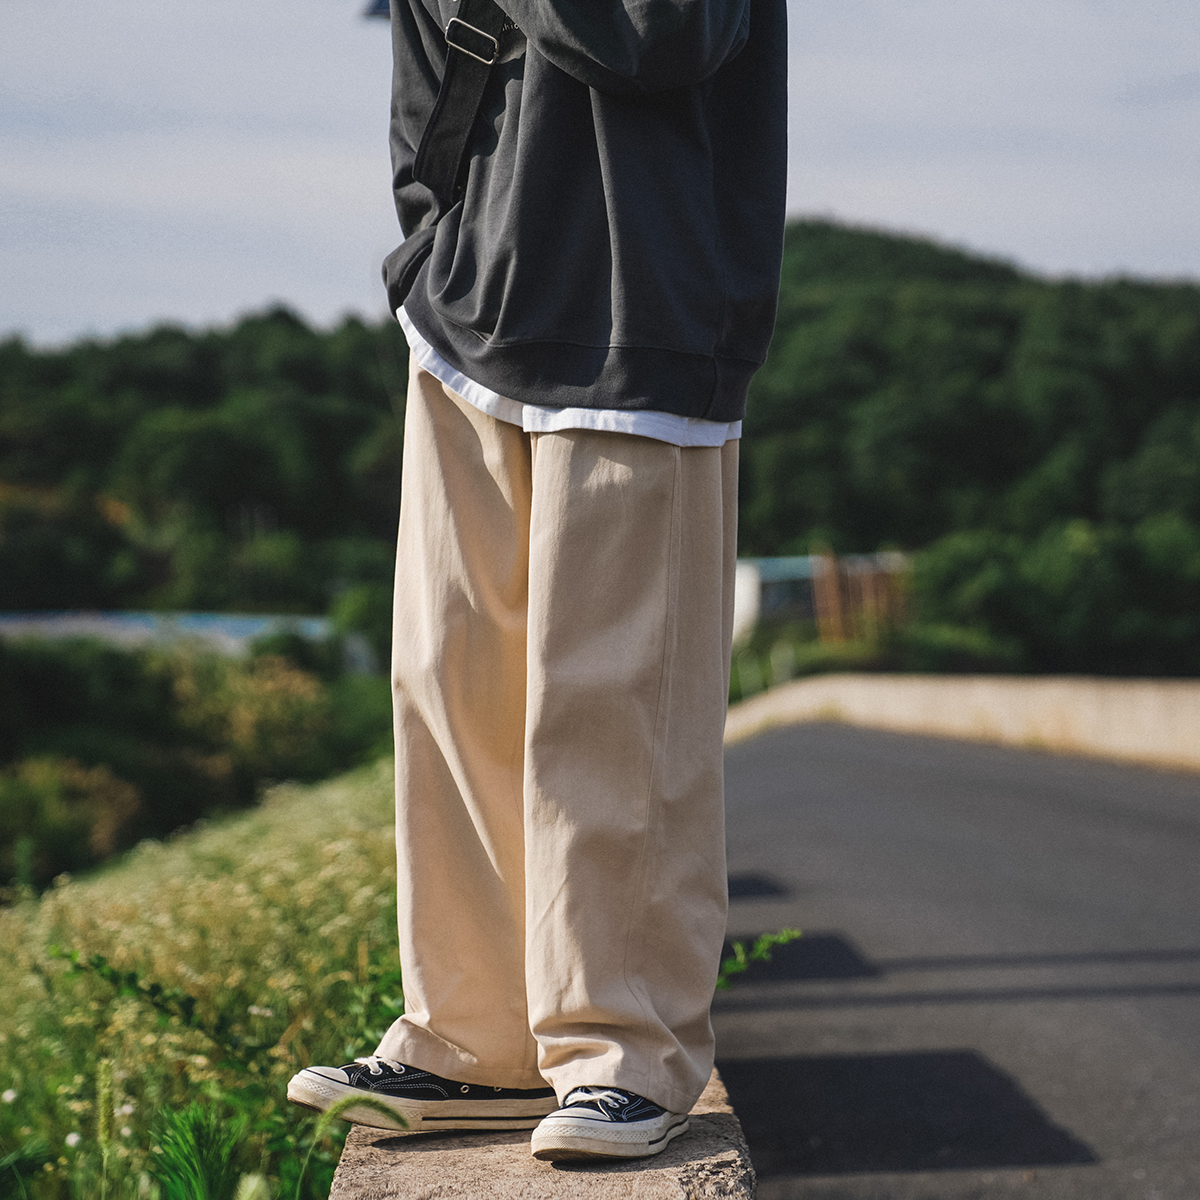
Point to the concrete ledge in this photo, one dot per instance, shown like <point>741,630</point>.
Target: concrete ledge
<point>710,1162</point>
<point>1152,721</point>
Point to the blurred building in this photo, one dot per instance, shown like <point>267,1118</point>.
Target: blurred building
<point>846,597</point>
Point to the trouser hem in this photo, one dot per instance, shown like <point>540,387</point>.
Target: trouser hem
<point>427,1052</point>
<point>660,1090</point>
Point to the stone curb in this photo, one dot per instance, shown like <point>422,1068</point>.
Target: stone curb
<point>710,1162</point>
<point>1149,721</point>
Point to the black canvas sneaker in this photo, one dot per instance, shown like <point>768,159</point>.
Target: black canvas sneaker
<point>424,1100</point>
<point>605,1122</point>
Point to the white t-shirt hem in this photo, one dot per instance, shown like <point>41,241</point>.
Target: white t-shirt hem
<point>662,426</point>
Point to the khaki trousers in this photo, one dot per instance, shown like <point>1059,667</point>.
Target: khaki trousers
<point>563,614</point>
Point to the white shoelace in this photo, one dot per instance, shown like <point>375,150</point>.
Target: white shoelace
<point>376,1063</point>
<point>604,1095</point>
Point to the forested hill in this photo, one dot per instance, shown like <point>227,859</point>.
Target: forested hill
<point>253,468</point>
<point>1037,441</point>
<point>912,391</point>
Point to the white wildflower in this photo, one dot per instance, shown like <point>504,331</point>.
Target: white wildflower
<point>8,1095</point>
<point>73,1140</point>
<point>252,1187</point>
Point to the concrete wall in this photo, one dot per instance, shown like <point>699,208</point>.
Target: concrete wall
<point>1137,720</point>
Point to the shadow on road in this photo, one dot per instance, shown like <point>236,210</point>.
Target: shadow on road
<point>828,957</point>
<point>813,957</point>
<point>996,989</point>
<point>1091,958</point>
<point>849,1114</point>
<point>754,885</point>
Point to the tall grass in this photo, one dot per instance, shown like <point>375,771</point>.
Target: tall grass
<point>207,969</point>
<point>151,1015</point>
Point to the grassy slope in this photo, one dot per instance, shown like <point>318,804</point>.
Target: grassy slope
<point>280,922</point>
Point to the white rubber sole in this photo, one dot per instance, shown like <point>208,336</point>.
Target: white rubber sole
<point>414,1116</point>
<point>563,1140</point>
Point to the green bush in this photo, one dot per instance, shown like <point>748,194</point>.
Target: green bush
<point>367,609</point>
<point>102,747</point>
<point>57,815</point>
<point>1091,597</point>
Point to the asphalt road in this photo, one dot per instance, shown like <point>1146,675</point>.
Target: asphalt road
<point>998,989</point>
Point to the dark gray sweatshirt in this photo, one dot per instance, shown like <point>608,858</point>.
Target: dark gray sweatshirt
<point>619,239</point>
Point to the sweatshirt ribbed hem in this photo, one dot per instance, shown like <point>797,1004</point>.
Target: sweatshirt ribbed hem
<point>552,374</point>
<point>535,418</point>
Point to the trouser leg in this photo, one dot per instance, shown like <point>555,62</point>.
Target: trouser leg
<point>605,562</point>
<point>632,552</point>
<point>459,685</point>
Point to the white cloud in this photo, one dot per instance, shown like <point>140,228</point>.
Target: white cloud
<point>1063,134</point>
<point>168,160</point>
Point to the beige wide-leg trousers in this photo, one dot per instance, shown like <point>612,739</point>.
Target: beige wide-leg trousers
<point>562,625</point>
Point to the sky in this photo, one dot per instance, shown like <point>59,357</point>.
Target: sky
<point>192,162</point>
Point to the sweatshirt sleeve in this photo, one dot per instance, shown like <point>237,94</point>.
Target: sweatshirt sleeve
<point>419,60</point>
<point>634,46</point>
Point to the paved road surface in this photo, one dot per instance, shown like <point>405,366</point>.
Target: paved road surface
<point>998,991</point>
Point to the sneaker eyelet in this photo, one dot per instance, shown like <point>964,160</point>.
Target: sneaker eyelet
<point>466,1087</point>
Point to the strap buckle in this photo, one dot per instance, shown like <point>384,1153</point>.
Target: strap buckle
<point>474,43</point>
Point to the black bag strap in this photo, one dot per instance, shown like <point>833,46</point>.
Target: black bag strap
<point>473,47</point>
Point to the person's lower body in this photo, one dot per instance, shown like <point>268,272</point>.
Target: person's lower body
<point>563,611</point>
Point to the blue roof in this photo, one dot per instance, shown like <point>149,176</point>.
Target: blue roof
<point>230,633</point>
<point>805,566</point>
<point>779,570</point>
